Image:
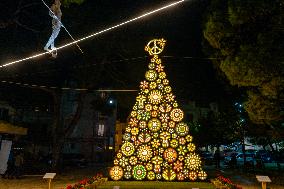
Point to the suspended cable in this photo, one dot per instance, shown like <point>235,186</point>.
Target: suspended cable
<point>97,33</point>
<point>64,88</point>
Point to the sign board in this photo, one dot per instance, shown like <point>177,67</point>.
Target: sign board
<point>263,178</point>
<point>49,175</point>
<point>115,187</point>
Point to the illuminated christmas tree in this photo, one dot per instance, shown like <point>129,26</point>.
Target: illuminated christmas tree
<point>156,143</point>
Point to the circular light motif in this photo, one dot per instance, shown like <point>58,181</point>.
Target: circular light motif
<point>180,176</point>
<point>182,129</point>
<point>119,155</point>
<point>155,143</point>
<point>174,143</point>
<point>165,81</point>
<point>153,85</point>
<point>123,162</point>
<point>157,160</point>
<point>148,107</point>
<point>169,174</point>
<point>170,97</point>
<point>165,135</point>
<point>167,89</point>
<point>116,162</point>
<point>144,84</point>
<point>116,173</point>
<point>139,172</point>
<point>164,117</point>
<point>192,161</point>
<point>151,66</point>
<point>159,68</point>
<point>162,75</point>
<point>142,124</point>
<point>202,175</point>
<point>133,113</point>
<point>127,175</point>
<point>154,113</point>
<point>133,121</point>
<point>182,141</point>
<point>192,175</point>
<point>154,125</point>
<point>133,160</point>
<point>145,153</point>
<point>134,131</point>
<point>177,114</point>
<point>182,150</point>
<point>149,166</point>
<point>128,168</point>
<point>160,86</point>
<point>151,175</point>
<point>155,96</point>
<point>185,172</point>
<point>151,75</point>
<point>127,149</point>
<point>191,147</point>
<point>170,155</point>
<point>158,176</point>
<point>178,166</point>
<point>144,137</point>
<point>188,138</point>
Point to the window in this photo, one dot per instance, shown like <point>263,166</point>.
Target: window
<point>101,130</point>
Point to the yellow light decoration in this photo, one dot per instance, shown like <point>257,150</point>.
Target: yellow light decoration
<point>155,46</point>
<point>151,75</point>
<point>169,174</point>
<point>151,175</point>
<point>159,68</point>
<point>165,108</point>
<point>141,99</point>
<point>156,143</point>
<point>126,136</point>
<point>116,173</point>
<point>127,149</point>
<point>202,175</point>
<point>182,140</point>
<point>167,89</point>
<point>151,66</point>
<point>144,137</point>
<point>154,125</point>
<point>134,131</point>
<point>165,82</point>
<point>123,162</point>
<point>170,97</point>
<point>191,147</point>
<point>162,75</point>
<point>153,85</point>
<point>178,166</point>
<point>133,160</point>
<point>148,107</point>
<point>180,176</point>
<point>144,84</point>
<point>145,153</point>
<point>174,143</point>
<point>133,121</point>
<point>142,124</point>
<point>170,155</point>
<point>192,175</point>
<point>164,117</point>
<point>188,138</point>
<point>181,150</point>
<point>149,166</point>
<point>182,129</point>
<point>127,175</point>
<point>157,160</point>
<point>192,161</point>
<point>155,96</point>
<point>177,114</point>
<point>139,172</point>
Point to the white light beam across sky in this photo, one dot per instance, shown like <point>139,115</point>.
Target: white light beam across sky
<point>97,33</point>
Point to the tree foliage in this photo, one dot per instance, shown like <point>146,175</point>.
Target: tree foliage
<point>247,38</point>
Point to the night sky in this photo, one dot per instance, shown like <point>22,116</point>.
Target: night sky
<point>191,78</point>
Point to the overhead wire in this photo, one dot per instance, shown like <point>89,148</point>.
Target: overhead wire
<point>97,33</point>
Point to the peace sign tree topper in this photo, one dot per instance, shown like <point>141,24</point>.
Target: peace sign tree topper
<point>156,144</point>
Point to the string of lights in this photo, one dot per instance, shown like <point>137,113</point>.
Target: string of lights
<point>63,88</point>
<point>97,33</point>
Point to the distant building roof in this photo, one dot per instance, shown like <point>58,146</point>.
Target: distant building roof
<point>8,128</point>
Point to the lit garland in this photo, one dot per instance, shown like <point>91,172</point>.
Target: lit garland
<point>157,144</point>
